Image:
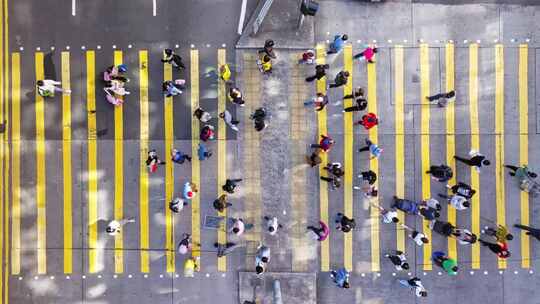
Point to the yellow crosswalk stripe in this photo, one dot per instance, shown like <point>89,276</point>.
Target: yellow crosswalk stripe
<point>40,167</point>
<point>16,163</point>
<point>143,175</point>
<point>348,135</point>
<point>374,166</point>
<point>169,174</point>
<point>424,145</point>
<point>66,161</point>
<point>475,145</point>
<point>524,147</point>
<point>118,176</point>
<point>323,189</point>
<point>222,155</point>
<point>93,258</point>
<point>5,56</point>
<point>499,140</point>
<point>450,139</point>
<point>195,165</point>
<point>400,140</point>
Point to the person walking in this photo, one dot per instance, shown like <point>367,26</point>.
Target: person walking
<point>259,119</point>
<point>449,265</point>
<point>320,232</point>
<point>191,265</point>
<point>441,173</point>
<point>526,179</point>
<point>203,152</point>
<point>185,244</point>
<point>464,236</point>
<point>177,204</point>
<point>534,232</point>
<point>170,57</point>
<point>399,260</point>
<point>320,72</point>
<point>337,45</point>
<point>47,87</point>
<point>368,176</point>
<point>207,133</point>
<point>238,226</point>
<point>441,227</point>
<point>262,258</point>
<point>442,98</point>
<point>335,169</point>
<point>462,189</point>
<point>407,206</point>
<point>202,115</point>
<point>368,53</point>
<point>520,172</point>
<point>272,225</point>
<point>340,277</point>
<point>114,227</point>
<point>415,284</point>
<point>388,215</point>
<point>229,120</point>
<point>500,249</point>
<point>427,212</point>
<point>324,144</point>
<point>308,57</point>
<point>221,203</point>
<point>368,120</point>
<point>225,72</point>
<point>171,88</point>
<point>179,157</point>
<point>153,161</point>
<point>190,190</point>
<point>235,96</point>
<point>334,181</point>
<point>500,233</point>
<point>265,64</point>
<point>340,79</point>
<point>418,237</point>
<point>361,101</point>
<point>344,223</point>
<point>230,185</point>
<point>373,149</point>
<point>476,160</point>
<point>268,49</point>
<point>314,159</point>
<point>320,101</point>
<point>432,203</point>
<point>457,201</point>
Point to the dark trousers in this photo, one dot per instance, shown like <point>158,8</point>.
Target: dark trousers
<point>316,76</point>
<point>530,231</point>
<point>318,231</point>
<point>361,54</point>
<point>336,85</point>
<point>464,160</point>
<point>327,179</point>
<point>513,168</point>
<point>493,247</point>
<point>348,96</point>
<point>316,146</point>
<point>436,96</point>
<point>353,109</point>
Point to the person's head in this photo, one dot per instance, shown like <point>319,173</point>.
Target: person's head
<point>235,230</point>
<point>486,162</point>
<point>361,91</point>
<point>331,141</point>
<point>264,259</point>
<point>346,285</point>
<point>122,68</point>
<point>451,94</point>
<point>466,204</point>
<point>266,58</point>
<point>505,254</point>
<point>374,192</point>
<point>455,269</point>
<point>532,175</point>
<point>168,52</point>
<point>424,240</point>
<point>436,214</point>
<point>269,43</point>
<point>509,237</point>
<point>438,207</point>
<point>405,266</point>
<point>175,208</point>
<point>375,50</point>
<point>39,82</point>
<point>346,73</point>
<point>423,293</point>
<point>259,269</point>
<point>109,229</point>
<point>326,66</point>
<point>222,115</point>
<point>345,37</point>
<point>271,229</point>
<point>395,219</point>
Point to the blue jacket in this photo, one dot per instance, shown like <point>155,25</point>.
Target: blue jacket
<point>342,276</point>
<point>338,43</point>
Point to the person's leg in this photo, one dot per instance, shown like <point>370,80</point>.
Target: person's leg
<point>333,85</point>
<point>366,148</point>
<point>234,122</point>
<point>513,168</point>
<point>324,178</point>
<point>358,55</point>
<point>523,227</point>
<point>435,97</point>
<point>315,146</point>
<point>350,96</point>
<point>309,102</point>
<point>463,160</point>
<point>236,180</point>
<point>311,78</point>
<point>491,231</point>
<point>352,109</point>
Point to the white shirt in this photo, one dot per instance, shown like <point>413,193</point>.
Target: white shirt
<point>433,203</point>
<point>228,119</point>
<point>48,85</point>
<point>272,222</point>
<point>418,238</point>
<point>418,289</point>
<point>402,259</point>
<point>388,216</point>
<point>457,202</point>
<point>240,225</point>
<point>461,237</point>
<point>114,226</point>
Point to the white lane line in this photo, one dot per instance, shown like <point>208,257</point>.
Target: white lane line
<point>73,6</point>
<point>154,7</point>
<point>242,17</point>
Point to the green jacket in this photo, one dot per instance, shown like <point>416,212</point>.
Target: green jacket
<point>448,265</point>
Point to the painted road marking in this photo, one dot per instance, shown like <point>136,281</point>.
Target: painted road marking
<point>323,187</point>
<point>450,139</point>
<point>16,163</point>
<point>94,265</point>
<point>222,154</point>
<point>424,145</point>
<point>195,164</point>
<point>348,140</point>
<point>169,175</point>
<point>400,140</point>
<point>118,176</point>
<point>73,7</point>
<point>374,166</point>
<point>66,163</point>
<point>524,147</point>
<point>5,152</point>
<point>143,175</point>
<point>242,17</point>
<point>475,145</point>
<point>40,167</point>
<point>154,8</point>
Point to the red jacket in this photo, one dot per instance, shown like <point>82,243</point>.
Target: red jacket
<point>326,143</point>
<point>369,120</point>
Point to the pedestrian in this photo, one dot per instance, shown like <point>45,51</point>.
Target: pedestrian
<point>190,190</point>
<point>418,237</point>
<point>113,98</point>
<point>464,236</point>
<point>308,57</point>
<point>526,179</point>
<point>520,172</point>
<point>221,203</point>
<point>442,98</point>
<point>373,149</point>
<point>388,215</point>
<point>334,181</point>
<point>500,249</point>
<point>462,189</point>
<point>335,169</point>
<point>272,225</point>
<point>368,120</point>
<point>321,232</point>
<point>457,201</point>
<point>268,48</point>
<point>235,96</point>
<point>115,73</point>
<point>441,173</point>
<point>324,144</point>
<point>416,285</point>
<point>344,223</point>
<point>314,159</point>
<point>114,227</point>
<point>207,133</point>
<point>224,249</point>
<point>500,233</point>
<point>262,258</point>
<point>170,57</point>
<point>203,153</point>
<point>185,244</point>
<point>340,277</point>
<point>153,161</point>
<point>361,101</point>
<point>337,45</point>
<point>265,64</point>
<point>441,227</point>
<point>407,206</point>
<point>171,88</point>
<point>47,87</point>
<point>320,72</point>
<point>191,265</point>
<point>225,72</point>
<point>238,226</point>
<point>368,53</point>
<point>177,204</point>
<point>399,260</point>
<point>449,265</point>
<point>476,160</point>
<point>229,120</point>
<point>230,185</point>
<point>259,119</point>
<point>340,80</point>
<point>432,203</point>
<point>179,157</point>
<point>535,232</point>
<point>319,101</point>
<point>368,176</point>
<point>202,115</point>
<point>367,189</point>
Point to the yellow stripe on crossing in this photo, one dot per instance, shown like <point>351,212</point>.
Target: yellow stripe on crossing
<point>400,139</point>
<point>524,147</point>
<point>6,204</point>
<point>143,175</point>
<point>16,163</point>
<point>348,157</point>
<point>66,161</point>
<point>222,155</point>
<point>374,166</point>
<point>450,139</point>
<point>92,163</point>
<point>118,176</point>
<point>499,140</point>
<point>195,164</point>
<point>475,145</point>
<point>169,174</point>
<point>424,145</point>
<point>323,188</point>
<point>40,167</point>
